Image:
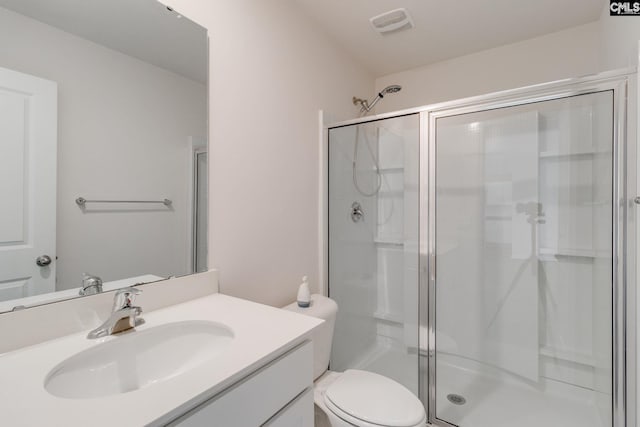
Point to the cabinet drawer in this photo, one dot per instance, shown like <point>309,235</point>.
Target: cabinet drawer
<point>298,413</point>
<point>255,399</point>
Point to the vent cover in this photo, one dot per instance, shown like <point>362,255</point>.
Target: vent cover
<point>392,21</point>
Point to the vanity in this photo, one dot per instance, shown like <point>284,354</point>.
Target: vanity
<point>215,360</point>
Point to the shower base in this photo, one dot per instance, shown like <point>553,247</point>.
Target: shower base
<point>492,402</point>
<point>488,401</point>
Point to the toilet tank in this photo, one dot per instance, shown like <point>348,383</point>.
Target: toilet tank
<point>326,309</point>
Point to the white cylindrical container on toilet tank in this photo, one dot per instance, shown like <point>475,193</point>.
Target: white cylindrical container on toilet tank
<point>304,294</point>
<point>326,309</point>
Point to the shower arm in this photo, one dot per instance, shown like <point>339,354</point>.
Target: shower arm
<point>364,104</point>
<point>375,101</point>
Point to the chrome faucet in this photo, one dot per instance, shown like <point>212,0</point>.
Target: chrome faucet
<point>124,315</point>
<point>91,284</point>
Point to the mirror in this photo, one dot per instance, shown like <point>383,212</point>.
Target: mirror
<point>103,145</point>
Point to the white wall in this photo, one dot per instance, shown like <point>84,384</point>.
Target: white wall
<point>607,44</point>
<point>619,38</point>
<point>123,133</point>
<point>271,71</point>
<point>569,53</point>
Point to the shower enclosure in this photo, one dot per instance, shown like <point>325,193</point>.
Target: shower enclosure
<point>482,253</point>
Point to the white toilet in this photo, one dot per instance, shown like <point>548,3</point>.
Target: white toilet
<point>355,398</point>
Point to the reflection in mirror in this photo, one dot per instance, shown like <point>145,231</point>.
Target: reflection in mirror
<point>103,147</point>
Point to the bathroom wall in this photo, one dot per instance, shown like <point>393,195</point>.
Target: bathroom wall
<point>569,53</point>
<point>619,37</point>
<point>607,44</point>
<point>123,133</point>
<point>271,71</point>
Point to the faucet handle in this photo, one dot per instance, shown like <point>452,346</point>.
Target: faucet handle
<point>125,297</point>
<point>90,279</point>
<point>90,284</point>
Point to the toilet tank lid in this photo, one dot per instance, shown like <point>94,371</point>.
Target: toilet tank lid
<point>375,399</point>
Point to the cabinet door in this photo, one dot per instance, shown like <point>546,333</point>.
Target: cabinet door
<point>255,399</point>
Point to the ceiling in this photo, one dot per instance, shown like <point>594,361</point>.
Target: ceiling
<point>443,29</point>
<point>144,29</point>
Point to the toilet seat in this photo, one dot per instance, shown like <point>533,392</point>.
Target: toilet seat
<point>366,399</point>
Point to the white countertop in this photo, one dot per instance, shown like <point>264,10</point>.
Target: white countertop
<point>261,334</point>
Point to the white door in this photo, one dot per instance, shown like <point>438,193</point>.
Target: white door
<point>28,140</point>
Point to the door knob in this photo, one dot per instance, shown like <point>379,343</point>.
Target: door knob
<point>43,260</point>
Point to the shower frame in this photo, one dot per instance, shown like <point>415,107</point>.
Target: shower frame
<point>624,185</point>
<point>624,85</point>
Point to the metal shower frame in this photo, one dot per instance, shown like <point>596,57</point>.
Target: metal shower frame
<point>624,85</point>
<point>623,194</point>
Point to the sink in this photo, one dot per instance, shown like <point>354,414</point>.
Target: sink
<point>138,359</point>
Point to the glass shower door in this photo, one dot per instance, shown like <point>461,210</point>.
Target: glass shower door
<point>373,247</point>
<point>523,226</point>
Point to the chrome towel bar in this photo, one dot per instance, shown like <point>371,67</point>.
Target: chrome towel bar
<point>81,201</point>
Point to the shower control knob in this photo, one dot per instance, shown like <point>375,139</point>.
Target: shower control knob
<point>43,260</point>
<point>637,200</point>
<point>357,214</point>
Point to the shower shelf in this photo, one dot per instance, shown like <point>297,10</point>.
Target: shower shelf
<point>570,252</point>
<point>390,193</point>
<point>388,242</point>
<point>392,170</point>
<point>555,154</point>
<point>568,355</point>
<point>388,317</point>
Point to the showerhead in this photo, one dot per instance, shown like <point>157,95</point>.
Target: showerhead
<point>366,106</point>
<point>391,89</point>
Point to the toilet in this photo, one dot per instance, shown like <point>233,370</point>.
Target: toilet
<point>354,397</point>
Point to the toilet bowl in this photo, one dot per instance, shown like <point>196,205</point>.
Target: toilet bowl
<point>354,397</point>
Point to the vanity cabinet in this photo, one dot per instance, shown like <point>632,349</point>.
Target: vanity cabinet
<point>262,376</point>
<point>279,394</point>
<point>295,413</point>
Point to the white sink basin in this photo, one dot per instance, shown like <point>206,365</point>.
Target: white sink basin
<point>138,359</point>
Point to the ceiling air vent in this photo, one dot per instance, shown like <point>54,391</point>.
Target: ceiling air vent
<point>392,21</point>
